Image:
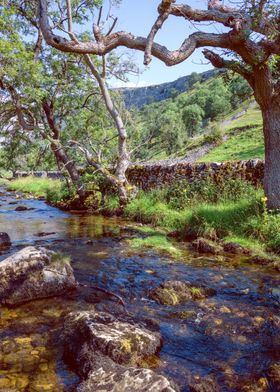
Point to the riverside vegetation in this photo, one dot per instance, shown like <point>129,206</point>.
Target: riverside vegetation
<point>231,211</point>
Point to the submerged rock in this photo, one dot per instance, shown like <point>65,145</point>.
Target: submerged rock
<point>104,349</point>
<point>207,384</point>
<point>274,375</point>
<point>23,208</point>
<point>5,240</point>
<point>175,292</point>
<point>33,273</point>
<point>203,245</point>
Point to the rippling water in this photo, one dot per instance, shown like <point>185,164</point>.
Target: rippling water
<point>231,335</point>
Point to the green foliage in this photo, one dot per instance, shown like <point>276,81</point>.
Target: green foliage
<point>192,116</point>
<point>111,204</point>
<point>56,195</point>
<point>168,127</point>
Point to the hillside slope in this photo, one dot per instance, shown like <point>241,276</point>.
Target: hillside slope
<point>140,96</point>
<point>244,141</point>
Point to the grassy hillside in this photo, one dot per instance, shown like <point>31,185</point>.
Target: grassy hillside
<point>202,115</point>
<point>245,139</point>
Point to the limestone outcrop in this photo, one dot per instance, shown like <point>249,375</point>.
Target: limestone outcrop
<point>34,273</point>
<point>107,353</point>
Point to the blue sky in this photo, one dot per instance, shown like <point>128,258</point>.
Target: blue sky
<point>137,17</point>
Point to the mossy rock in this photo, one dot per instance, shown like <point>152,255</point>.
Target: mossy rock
<point>177,292</point>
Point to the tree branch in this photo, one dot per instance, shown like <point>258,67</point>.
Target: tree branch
<point>235,66</point>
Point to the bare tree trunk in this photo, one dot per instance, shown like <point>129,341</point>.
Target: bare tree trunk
<point>70,166</point>
<point>271,122</point>
<point>119,180</point>
<point>60,153</point>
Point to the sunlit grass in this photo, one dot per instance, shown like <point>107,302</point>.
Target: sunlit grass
<point>38,187</point>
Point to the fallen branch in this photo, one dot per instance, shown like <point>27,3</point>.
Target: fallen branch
<point>121,301</point>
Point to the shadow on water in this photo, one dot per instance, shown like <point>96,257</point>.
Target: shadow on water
<point>233,335</point>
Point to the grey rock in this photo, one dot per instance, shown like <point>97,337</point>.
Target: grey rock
<point>104,350</point>
<point>123,342</point>
<point>122,379</point>
<point>33,273</point>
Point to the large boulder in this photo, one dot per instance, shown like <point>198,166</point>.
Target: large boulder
<point>33,273</point>
<point>106,353</point>
<point>5,240</point>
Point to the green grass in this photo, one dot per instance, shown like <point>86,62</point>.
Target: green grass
<point>156,241</point>
<point>214,211</point>
<point>245,139</point>
<point>39,187</point>
<point>242,146</point>
<point>4,182</point>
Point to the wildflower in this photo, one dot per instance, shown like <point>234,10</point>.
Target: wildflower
<point>264,199</point>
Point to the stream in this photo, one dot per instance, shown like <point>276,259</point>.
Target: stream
<point>231,336</point>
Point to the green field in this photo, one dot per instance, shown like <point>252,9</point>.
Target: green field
<point>245,139</point>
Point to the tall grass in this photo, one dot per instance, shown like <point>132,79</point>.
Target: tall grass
<point>234,210</point>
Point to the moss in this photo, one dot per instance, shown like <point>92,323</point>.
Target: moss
<point>185,314</point>
<point>151,362</point>
<point>126,345</point>
<point>167,296</point>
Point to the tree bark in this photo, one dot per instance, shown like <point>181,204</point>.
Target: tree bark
<point>271,122</point>
<point>60,153</point>
<point>119,178</point>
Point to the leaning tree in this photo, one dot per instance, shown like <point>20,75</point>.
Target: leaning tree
<point>249,44</point>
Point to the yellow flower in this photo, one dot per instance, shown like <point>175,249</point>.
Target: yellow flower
<point>264,199</point>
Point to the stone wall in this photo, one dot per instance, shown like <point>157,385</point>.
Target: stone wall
<point>152,176</point>
<point>39,174</point>
<point>155,175</point>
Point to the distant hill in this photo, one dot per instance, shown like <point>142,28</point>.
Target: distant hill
<point>140,96</point>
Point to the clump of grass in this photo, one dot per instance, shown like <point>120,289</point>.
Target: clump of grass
<point>111,204</point>
<point>155,241</point>
<point>60,259</point>
<point>39,187</point>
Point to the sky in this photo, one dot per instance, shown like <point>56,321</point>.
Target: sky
<point>138,17</point>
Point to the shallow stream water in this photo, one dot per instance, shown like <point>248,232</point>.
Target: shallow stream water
<point>231,336</point>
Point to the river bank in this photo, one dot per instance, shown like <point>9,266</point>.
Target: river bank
<point>226,217</point>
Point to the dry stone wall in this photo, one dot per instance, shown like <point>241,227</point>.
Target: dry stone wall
<point>156,175</point>
<point>153,176</point>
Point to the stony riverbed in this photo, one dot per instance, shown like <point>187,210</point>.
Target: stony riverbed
<point>228,340</point>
